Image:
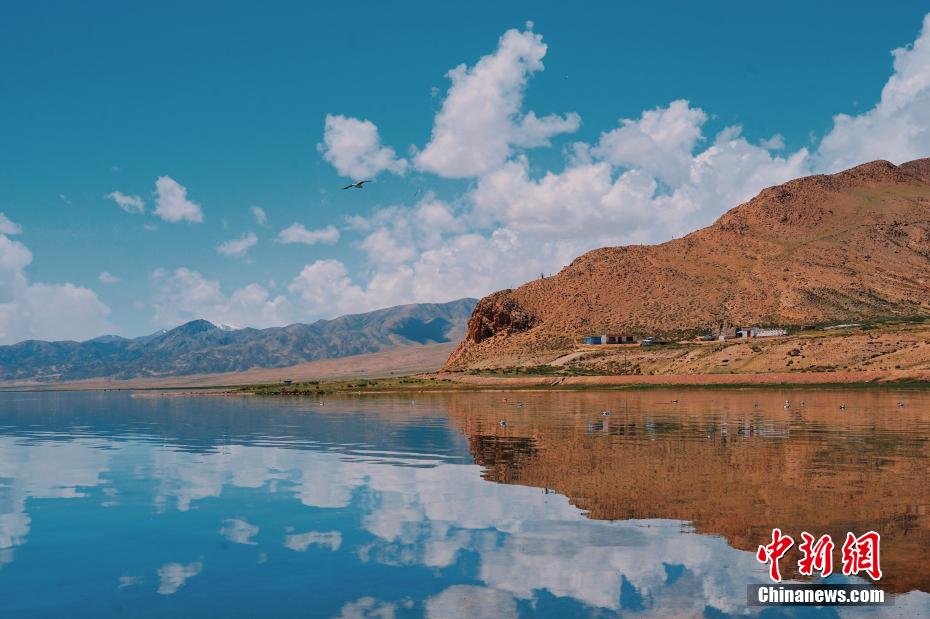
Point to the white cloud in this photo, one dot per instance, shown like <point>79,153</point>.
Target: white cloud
<point>129,581</point>
<point>354,148</point>
<point>238,248</point>
<point>14,257</point>
<point>239,531</point>
<point>106,277</point>
<point>299,542</point>
<point>511,226</point>
<point>39,310</point>
<point>183,294</point>
<point>130,204</point>
<point>660,143</point>
<point>471,601</point>
<point>9,227</point>
<point>898,127</point>
<point>172,204</point>
<point>480,120</point>
<point>53,469</point>
<point>173,576</point>
<point>53,312</point>
<point>261,218</point>
<point>776,142</point>
<point>367,608</point>
<point>297,233</point>
<point>384,248</point>
<point>325,288</point>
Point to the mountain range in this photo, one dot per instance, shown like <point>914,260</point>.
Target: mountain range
<point>844,247</point>
<point>200,347</point>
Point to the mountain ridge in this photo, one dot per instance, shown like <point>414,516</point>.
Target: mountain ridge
<point>853,245</point>
<point>201,347</point>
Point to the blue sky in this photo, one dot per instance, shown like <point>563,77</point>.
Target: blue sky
<point>229,102</point>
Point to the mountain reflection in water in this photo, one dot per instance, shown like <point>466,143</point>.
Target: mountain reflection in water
<point>112,505</point>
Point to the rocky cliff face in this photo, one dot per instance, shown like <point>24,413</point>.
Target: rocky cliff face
<point>848,246</point>
<point>498,315</point>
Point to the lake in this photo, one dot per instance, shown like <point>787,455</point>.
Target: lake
<point>427,505</point>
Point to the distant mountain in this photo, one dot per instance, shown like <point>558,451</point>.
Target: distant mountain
<point>200,347</point>
<point>846,247</point>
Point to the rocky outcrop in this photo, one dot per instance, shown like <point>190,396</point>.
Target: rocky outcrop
<point>496,316</point>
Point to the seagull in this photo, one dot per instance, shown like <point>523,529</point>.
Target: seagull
<point>502,423</point>
<point>842,407</point>
<point>787,404</point>
<point>900,404</point>
<point>605,413</point>
<point>358,185</point>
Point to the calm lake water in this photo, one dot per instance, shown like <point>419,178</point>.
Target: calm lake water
<point>112,505</point>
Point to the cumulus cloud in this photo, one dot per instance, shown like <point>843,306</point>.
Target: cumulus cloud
<point>238,248</point>
<point>173,576</point>
<point>367,608</point>
<point>239,531</point>
<point>183,295</point>
<point>130,204</point>
<point>660,142</point>
<point>480,602</point>
<point>898,127</point>
<point>52,312</point>
<point>9,227</point>
<point>172,204</point>
<point>325,288</point>
<point>776,142</point>
<point>300,542</point>
<point>40,310</point>
<point>298,233</point>
<point>511,226</point>
<point>354,148</point>
<point>480,121</point>
<point>106,277</point>
<point>261,218</point>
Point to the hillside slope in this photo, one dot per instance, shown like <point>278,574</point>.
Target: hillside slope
<point>848,246</point>
<point>200,347</point>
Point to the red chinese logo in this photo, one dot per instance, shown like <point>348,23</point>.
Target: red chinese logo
<point>860,554</point>
<point>817,555</point>
<point>773,552</point>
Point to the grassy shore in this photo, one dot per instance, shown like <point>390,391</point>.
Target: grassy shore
<point>439,383</point>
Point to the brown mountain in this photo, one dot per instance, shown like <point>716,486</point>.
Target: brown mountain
<point>848,246</point>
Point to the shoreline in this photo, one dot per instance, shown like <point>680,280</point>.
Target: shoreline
<point>441,382</point>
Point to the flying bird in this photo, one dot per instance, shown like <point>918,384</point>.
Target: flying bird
<point>358,185</point>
